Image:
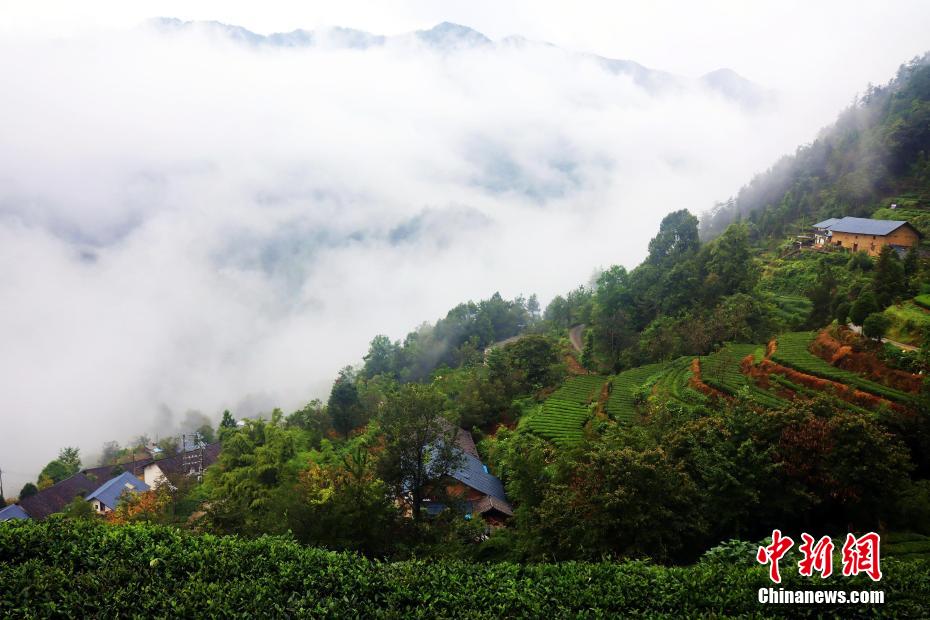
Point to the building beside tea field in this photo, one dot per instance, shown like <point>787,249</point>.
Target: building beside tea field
<point>860,234</point>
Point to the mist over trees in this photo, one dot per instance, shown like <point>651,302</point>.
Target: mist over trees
<point>878,146</point>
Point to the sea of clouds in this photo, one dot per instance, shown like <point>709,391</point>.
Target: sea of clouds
<point>188,222</point>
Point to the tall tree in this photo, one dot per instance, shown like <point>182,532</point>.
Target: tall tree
<point>71,458</point>
<point>420,446</point>
<point>677,238</point>
<point>729,265</point>
<point>888,281</point>
<point>28,490</point>
<point>822,295</point>
<point>344,405</point>
<point>109,453</point>
<point>381,357</point>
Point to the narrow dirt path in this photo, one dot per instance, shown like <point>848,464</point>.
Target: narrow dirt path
<point>900,345</point>
<point>574,335</point>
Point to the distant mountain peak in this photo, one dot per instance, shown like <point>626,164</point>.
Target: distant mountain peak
<point>449,36</point>
<point>732,85</point>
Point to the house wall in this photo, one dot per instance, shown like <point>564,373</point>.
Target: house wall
<point>904,236</point>
<point>153,476</point>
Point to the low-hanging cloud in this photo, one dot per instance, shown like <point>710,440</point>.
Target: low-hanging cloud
<point>188,222</point>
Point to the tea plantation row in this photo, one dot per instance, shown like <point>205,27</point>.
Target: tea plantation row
<point>82,569</point>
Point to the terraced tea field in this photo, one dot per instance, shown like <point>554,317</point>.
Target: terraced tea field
<point>674,382</point>
<point>721,371</point>
<point>621,405</point>
<point>811,393</point>
<point>792,351</point>
<point>792,309</point>
<point>563,415</point>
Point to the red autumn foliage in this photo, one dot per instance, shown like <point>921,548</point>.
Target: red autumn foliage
<point>840,390</point>
<point>842,351</point>
<point>698,384</point>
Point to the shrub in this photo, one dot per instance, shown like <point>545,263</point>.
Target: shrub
<point>85,569</point>
<point>875,325</point>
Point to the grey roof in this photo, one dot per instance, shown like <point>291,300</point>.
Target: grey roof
<point>490,503</point>
<point>866,226</point>
<point>13,512</point>
<point>110,491</point>
<point>175,464</point>
<point>60,494</point>
<point>474,474</point>
<point>827,223</point>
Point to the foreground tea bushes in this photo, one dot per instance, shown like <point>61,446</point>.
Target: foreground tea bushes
<point>80,569</point>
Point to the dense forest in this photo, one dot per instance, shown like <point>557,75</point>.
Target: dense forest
<point>733,383</point>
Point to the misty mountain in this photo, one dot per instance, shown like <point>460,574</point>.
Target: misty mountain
<point>876,150</point>
<point>448,37</point>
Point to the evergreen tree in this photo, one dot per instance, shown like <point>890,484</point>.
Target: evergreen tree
<point>863,307</point>
<point>420,444</point>
<point>888,281</point>
<point>344,405</point>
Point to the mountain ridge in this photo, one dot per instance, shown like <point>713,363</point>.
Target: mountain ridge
<point>449,37</point>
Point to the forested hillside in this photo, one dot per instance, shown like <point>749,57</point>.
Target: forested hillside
<point>879,148</point>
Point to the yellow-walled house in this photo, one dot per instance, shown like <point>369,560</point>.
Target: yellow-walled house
<point>860,234</point>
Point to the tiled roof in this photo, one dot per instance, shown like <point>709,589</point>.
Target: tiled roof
<point>466,443</point>
<point>175,464</point>
<point>866,226</point>
<point>474,474</point>
<point>13,512</point>
<point>110,491</point>
<point>827,223</point>
<point>488,503</point>
<point>56,497</point>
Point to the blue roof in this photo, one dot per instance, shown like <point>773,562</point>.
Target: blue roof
<point>866,226</point>
<point>827,223</point>
<point>110,491</point>
<point>474,474</point>
<point>13,512</point>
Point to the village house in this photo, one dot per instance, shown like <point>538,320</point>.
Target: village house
<point>56,497</point>
<point>860,234</point>
<point>472,487</point>
<point>92,484</point>
<point>13,511</point>
<point>191,461</point>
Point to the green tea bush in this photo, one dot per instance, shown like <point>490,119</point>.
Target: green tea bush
<point>63,568</point>
<point>793,351</point>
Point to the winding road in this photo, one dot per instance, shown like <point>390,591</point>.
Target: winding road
<point>900,345</point>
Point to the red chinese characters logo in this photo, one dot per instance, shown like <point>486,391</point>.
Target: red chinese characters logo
<point>817,557</point>
<point>860,555</point>
<point>773,553</point>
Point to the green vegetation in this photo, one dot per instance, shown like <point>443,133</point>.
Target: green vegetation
<point>74,569</point>
<point>811,393</point>
<point>907,322</point>
<point>625,388</point>
<point>923,301</point>
<point>792,310</point>
<point>793,351</point>
<point>876,150</point>
<point>906,546</point>
<point>565,412</point>
<point>675,383</point>
<point>722,371</point>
